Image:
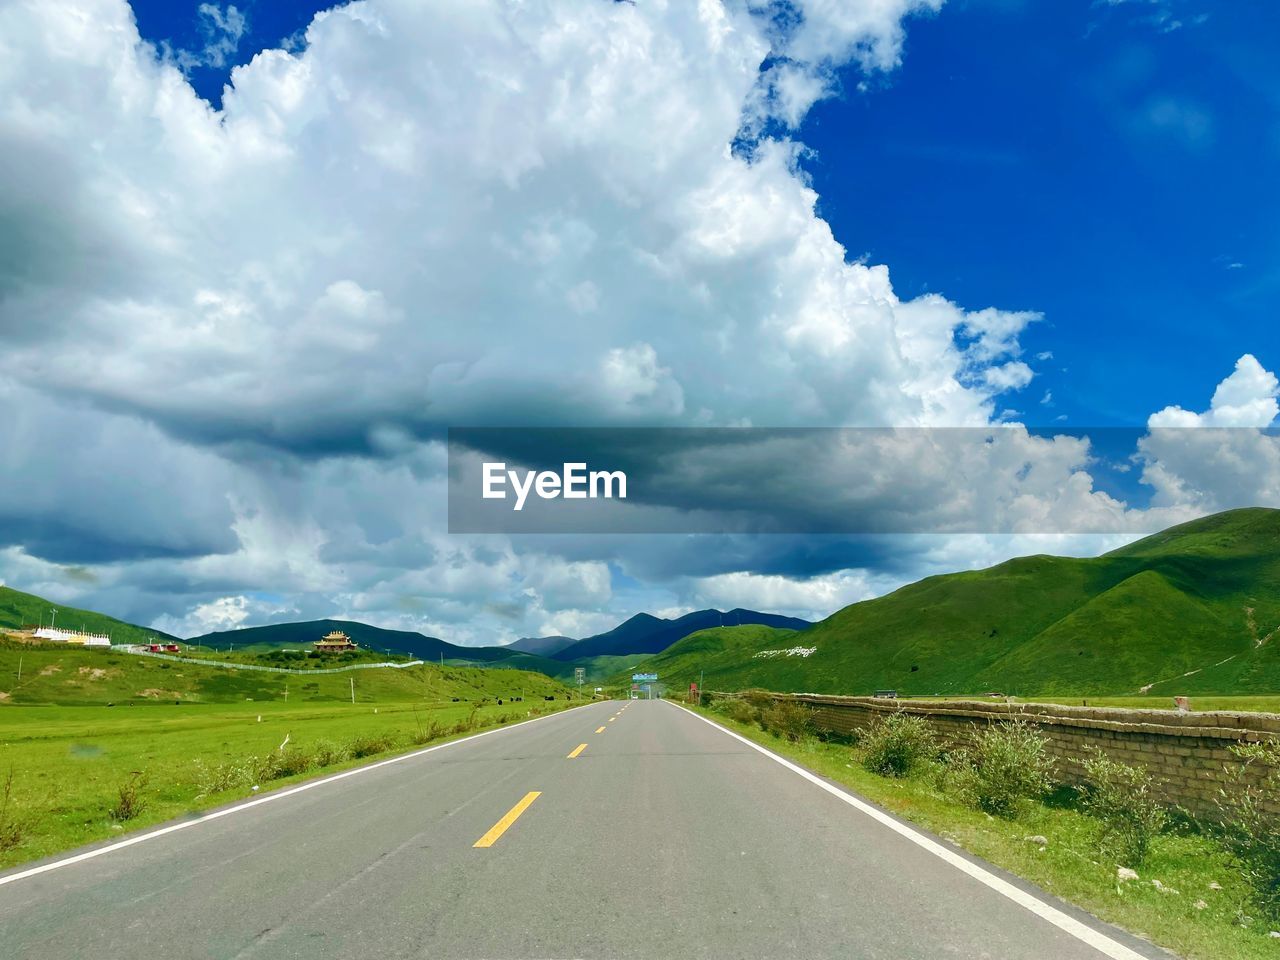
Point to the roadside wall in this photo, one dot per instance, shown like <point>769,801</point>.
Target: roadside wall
<point>1186,752</point>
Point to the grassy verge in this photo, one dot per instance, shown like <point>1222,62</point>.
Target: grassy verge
<point>1199,914</point>
<point>82,774</point>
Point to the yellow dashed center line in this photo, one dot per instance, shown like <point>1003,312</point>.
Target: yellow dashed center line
<point>599,729</point>
<point>577,750</point>
<point>499,828</point>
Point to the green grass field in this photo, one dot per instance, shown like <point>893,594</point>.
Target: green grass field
<point>68,762</point>
<point>76,724</point>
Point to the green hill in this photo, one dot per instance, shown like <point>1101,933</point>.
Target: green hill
<point>1194,609</point>
<point>67,675</point>
<point>19,610</point>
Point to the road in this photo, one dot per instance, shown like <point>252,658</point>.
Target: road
<point>663,836</point>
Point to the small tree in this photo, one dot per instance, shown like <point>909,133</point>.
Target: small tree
<point>1121,797</point>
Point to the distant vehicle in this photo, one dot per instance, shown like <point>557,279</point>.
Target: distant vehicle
<point>886,694</point>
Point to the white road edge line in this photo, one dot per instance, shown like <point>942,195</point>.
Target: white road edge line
<point>280,795</point>
<point>1083,932</point>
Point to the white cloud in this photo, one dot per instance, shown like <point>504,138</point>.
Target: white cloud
<point>250,323</point>
<point>812,599</point>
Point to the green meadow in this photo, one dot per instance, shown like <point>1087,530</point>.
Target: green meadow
<point>94,744</point>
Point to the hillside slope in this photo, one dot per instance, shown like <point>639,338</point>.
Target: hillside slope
<point>541,646</point>
<point>19,610</point>
<point>66,675</point>
<point>1194,609</point>
<point>645,633</point>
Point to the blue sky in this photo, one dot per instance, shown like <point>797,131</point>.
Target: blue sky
<point>1110,165</point>
<point>1086,161</point>
<point>256,315</point>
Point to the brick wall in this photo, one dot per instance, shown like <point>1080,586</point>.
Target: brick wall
<point>1186,752</point>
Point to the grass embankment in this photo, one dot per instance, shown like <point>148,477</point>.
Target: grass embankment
<point>70,763</point>
<point>1190,915</point>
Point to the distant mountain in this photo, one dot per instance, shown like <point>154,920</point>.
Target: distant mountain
<point>301,635</point>
<point>18,610</point>
<point>541,646</point>
<point>645,633</point>
<point>1192,610</point>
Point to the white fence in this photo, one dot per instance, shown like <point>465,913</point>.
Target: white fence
<point>254,666</point>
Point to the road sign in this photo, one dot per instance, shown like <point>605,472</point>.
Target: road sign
<point>643,677</point>
<point>580,674</point>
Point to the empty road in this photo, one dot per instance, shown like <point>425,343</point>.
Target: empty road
<point>612,830</point>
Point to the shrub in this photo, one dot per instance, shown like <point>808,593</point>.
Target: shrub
<point>787,719</point>
<point>129,800</point>
<point>368,746</point>
<point>216,778</point>
<point>12,831</point>
<point>1120,797</point>
<point>327,753</point>
<point>738,710</point>
<point>1249,826</point>
<point>431,731</point>
<point>760,699</point>
<point>895,745</point>
<point>292,762</point>
<point>1003,766</point>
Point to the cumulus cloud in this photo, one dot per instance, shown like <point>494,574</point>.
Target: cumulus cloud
<point>233,337</point>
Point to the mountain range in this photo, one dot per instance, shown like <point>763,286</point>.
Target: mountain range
<point>642,634</point>
<point>1194,609</point>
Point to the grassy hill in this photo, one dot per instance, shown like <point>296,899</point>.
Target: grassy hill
<point>18,610</point>
<point>1194,609</point>
<point>645,633</point>
<point>65,675</point>
<point>541,646</point>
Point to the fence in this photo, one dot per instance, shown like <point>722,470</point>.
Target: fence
<point>1187,753</point>
<point>264,669</point>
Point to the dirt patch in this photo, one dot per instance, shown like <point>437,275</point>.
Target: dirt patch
<point>3,696</point>
<point>97,673</point>
<point>51,669</point>
<point>153,693</point>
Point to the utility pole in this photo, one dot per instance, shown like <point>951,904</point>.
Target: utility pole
<point>54,620</point>
<point>353,689</point>
<point>19,669</point>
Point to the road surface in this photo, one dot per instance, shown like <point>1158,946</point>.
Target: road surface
<point>611,830</point>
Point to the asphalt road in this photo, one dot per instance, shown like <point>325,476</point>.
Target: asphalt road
<point>663,837</point>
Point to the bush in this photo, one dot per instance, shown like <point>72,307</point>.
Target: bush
<point>787,719</point>
<point>1249,827</point>
<point>327,753</point>
<point>216,778</point>
<point>895,745</point>
<point>431,731</point>
<point>368,746</point>
<point>1003,766</point>
<point>12,831</point>
<point>1120,797</point>
<point>129,800</point>
<point>738,710</point>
